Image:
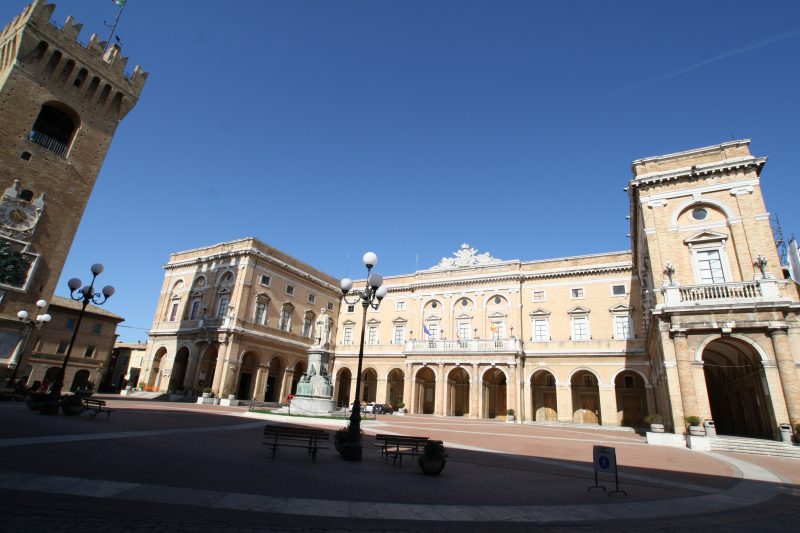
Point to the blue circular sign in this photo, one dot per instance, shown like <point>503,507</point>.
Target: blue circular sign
<point>603,462</point>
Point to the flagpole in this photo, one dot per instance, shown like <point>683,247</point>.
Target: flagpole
<point>114,27</point>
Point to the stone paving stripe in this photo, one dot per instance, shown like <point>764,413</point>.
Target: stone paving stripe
<point>56,439</point>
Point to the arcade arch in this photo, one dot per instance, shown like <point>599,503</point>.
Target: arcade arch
<point>543,396</point>
<point>494,393</point>
<point>585,398</point>
<point>425,394</point>
<point>458,392</point>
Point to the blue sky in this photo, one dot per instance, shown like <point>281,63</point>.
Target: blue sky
<point>326,128</point>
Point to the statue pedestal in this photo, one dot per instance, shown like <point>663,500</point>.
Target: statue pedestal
<point>314,391</point>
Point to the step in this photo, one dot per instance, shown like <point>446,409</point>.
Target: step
<point>724,443</point>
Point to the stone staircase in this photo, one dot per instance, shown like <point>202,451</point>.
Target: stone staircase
<point>724,443</point>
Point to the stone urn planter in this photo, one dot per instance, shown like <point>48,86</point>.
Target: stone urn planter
<point>510,416</point>
<point>216,401</point>
<point>433,458</point>
<point>36,399</point>
<point>71,405</point>
<point>697,431</point>
<point>655,423</point>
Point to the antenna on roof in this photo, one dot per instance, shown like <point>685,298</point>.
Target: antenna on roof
<point>121,5</point>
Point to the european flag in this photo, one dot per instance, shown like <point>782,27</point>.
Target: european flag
<point>425,330</point>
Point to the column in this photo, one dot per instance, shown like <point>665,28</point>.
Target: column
<point>380,393</point>
<point>407,389</point>
<point>261,380</point>
<point>441,385</point>
<point>527,400</point>
<point>219,370</point>
<point>511,390</point>
<point>649,395</point>
<point>474,393</point>
<point>564,402</point>
<point>231,378</point>
<point>352,396</point>
<point>787,370</point>
<point>286,383</point>
<point>608,405</point>
<point>189,378</point>
<point>685,376</point>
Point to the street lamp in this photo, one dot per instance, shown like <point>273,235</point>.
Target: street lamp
<point>371,296</point>
<point>31,323</point>
<point>85,294</point>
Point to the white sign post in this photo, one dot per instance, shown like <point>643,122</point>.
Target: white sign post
<point>605,460</point>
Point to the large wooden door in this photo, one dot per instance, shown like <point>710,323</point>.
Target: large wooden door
<point>550,410</point>
<point>591,407</point>
<point>631,410</point>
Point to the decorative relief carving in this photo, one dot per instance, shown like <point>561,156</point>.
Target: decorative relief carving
<point>465,257</point>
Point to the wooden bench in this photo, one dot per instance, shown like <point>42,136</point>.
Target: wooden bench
<point>10,393</point>
<point>396,446</point>
<point>311,439</point>
<point>97,407</point>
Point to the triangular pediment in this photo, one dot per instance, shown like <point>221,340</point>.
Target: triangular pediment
<point>540,313</point>
<point>498,315</point>
<point>621,309</point>
<point>349,323</point>
<point>706,236</point>
<point>578,311</point>
<point>464,316</point>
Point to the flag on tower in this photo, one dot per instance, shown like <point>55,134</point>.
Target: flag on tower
<point>425,330</point>
<point>120,3</point>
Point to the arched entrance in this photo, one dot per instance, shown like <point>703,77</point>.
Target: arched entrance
<point>50,376</point>
<point>426,391</point>
<point>299,369</point>
<point>80,380</point>
<point>494,393</point>
<point>154,380</point>
<point>247,373</point>
<point>585,398</point>
<point>176,381</point>
<point>458,392</point>
<point>277,369</point>
<point>394,387</point>
<point>369,385</point>
<point>343,380</point>
<point>543,396</point>
<point>207,367</point>
<point>631,399</point>
<point>736,389</point>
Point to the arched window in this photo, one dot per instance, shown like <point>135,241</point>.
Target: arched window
<point>55,128</point>
<point>286,317</point>
<point>308,323</point>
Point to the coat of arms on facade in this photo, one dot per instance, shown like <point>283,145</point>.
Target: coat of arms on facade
<point>465,257</point>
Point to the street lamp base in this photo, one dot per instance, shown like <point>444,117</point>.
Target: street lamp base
<point>352,452</point>
<point>48,408</point>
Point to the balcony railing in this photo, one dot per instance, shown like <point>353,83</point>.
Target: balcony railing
<point>748,290</point>
<point>471,345</point>
<point>48,142</point>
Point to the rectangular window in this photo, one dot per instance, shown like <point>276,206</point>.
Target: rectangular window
<point>710,267</point>
<point>173,313</point>
<point>588,381</point>
<point>541,331</point>
<point>261,311</point>
<point>195,310</point>
<point>400,306</point>
<point>433,329</point>
<point>348,335</point>
<point>286,319</point>
<point>399,334</point>
<point>539,296</point>
<point>97,328</point>
<point>463,330</point>
<point>351,308</point>
<point>70,324</point>
<point>580,328</point>
<point>576,294</point>
<point>372,335</point>
<point>222,308</point>
<point>618,290</point>
<point>330,306</point>
<point>62,347</point>
<point>265,281</point>
<point>312,298</point>
<point>622,327</point>
<point>290,290</point>
<point>89,351</point>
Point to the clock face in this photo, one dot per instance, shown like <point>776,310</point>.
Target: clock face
<point>18,215</point>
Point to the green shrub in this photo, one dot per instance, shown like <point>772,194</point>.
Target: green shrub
<point>652,419</point>
<point>693,420</point>
<point>510,412</point>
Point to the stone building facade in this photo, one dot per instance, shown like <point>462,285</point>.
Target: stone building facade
<point>696,320</point>
<point>60,104</point>
<point>91,353</point>
<point>236,317</point>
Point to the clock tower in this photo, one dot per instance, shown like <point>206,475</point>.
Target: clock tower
<point>60,104</point>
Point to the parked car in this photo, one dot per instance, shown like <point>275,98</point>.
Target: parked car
<point>382,409</point>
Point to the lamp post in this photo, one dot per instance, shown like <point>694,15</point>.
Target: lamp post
<point>86,295</point>
<point>371,296</point>
<point>16,359</point>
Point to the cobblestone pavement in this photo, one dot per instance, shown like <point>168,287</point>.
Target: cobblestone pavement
<point>175,467</point>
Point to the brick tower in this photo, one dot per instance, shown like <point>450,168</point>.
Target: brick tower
<point>60,104</point>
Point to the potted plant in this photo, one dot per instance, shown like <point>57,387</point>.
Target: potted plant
<point>401,408</point>
<point>796,435</point>
<point>695,428</point>
<point>510,415</point>
<point>433,458</point>
<point>655,422</point>
<point>340,438</point>
<point>142,385</point>
<point>72,405</point>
